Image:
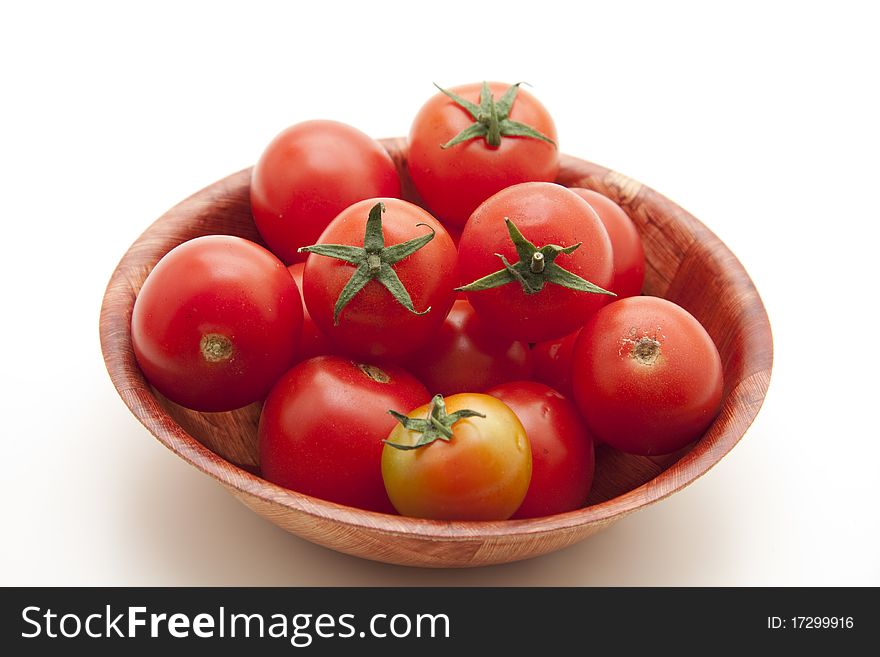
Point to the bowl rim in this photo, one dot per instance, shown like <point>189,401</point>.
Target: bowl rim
<point>725,432</point>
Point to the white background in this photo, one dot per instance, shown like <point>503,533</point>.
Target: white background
<point>762,120</point>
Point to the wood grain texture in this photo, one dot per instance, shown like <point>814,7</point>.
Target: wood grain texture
<point>686,263</point>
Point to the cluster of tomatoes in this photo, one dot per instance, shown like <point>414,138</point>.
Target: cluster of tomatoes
<point>455,359</point>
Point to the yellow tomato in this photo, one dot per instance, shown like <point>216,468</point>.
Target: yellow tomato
<point>477,465</point>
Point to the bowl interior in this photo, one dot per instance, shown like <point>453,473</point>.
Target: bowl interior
<point>686,263</point>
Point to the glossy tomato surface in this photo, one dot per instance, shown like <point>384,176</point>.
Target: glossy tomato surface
<point>455,180</point>
<point>322,429</point>
<point>647,377</point>
<point>312,341</point>
<point>552,360</point>
<point>545,213</point>
<point>468,355</point>
<point>374,325</point>
<point>308,174</point>
<point>562,448</point>
<point>626,244</point>
<point>216,322</point>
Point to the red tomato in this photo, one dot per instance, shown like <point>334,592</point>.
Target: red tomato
<point>216,323</point>
<point>647,377</point>
<point>549,217</point>
<point>312,342</point>
<point>453,181</point>
<point>323,425</point>
<point>626,245</point>
<point>374,324</point>
<point>466,355</point>
<point>481,471</point>
<point>310,173</point>
<point>552,362</point>
<point>454,233</point>
<point>562,448</point>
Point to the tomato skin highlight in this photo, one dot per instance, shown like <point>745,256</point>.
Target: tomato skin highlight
<point>322,428</point>
<point>454,181</point>
<point>465,354</point>
<point>563,461</point>
<point>647,377</point>
<point>223,291</point>
<point>374,325</point>
<point>545,213</point>
<point>626,244</point>
<point>308,174</point>
<point>312,341</point>
<point>481,473</point>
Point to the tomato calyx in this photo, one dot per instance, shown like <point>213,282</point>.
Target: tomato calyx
<point>491,118</point>
<point>437,424</point>
<point>373,261</point>
<point>535,268</point>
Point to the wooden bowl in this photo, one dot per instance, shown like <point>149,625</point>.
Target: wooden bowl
<point>686,263</point>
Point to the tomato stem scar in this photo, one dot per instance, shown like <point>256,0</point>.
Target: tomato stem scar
<point>377,374</point>
<point>215,348</point>
<point>646,351</point>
